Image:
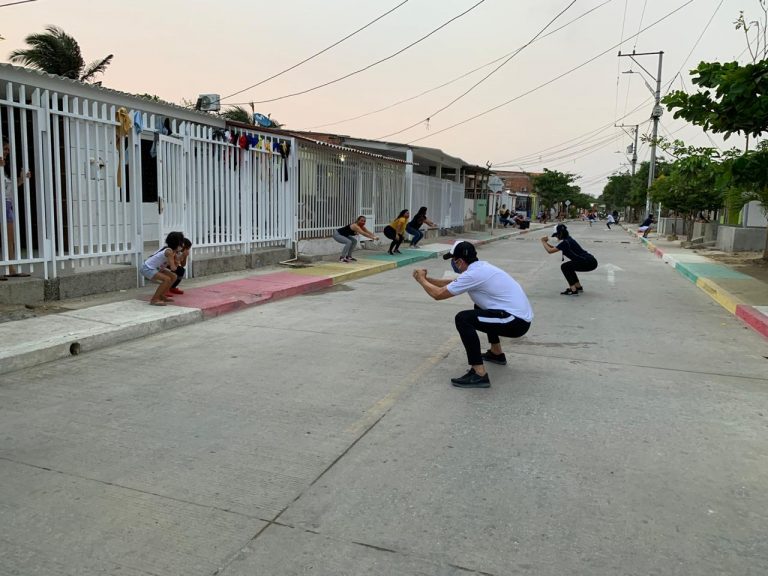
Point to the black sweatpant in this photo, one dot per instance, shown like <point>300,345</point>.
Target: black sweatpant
<point>179,276</point>
<point>395,245</point>
<point>572,266</point>
<point>470,322</point>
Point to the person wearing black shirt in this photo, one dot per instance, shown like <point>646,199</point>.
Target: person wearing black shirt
<point>645,227</point>
<point>579,260</point>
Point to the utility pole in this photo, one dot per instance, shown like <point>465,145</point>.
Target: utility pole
<point>655,115</point>
<point>635,130</point>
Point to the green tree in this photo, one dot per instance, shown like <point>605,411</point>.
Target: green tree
<point>616,192</point>
<point>738,105</point>
<point>56,52</point>
<point>554,187</point>
<point>691,183</point>
<point>731,100</point>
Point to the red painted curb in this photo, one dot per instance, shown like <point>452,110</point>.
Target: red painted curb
<point>234,295</point>
<point>753,318</point>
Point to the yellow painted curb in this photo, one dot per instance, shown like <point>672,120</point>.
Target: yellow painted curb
<point>722,297</point>
<point>343,272</point>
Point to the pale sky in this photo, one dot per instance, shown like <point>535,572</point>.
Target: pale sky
<point>181,48</point>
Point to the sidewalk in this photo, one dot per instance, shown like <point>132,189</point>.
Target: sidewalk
<point>106,320</point>
<point>742,295</point>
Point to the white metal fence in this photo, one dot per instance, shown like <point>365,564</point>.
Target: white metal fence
<point>74,176</point>
<point>82,188</point>
<point>444,200</point>
<point>240,197</point>
<point>336,186</point>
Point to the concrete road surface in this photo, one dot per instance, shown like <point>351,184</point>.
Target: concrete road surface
<point>320,435</point>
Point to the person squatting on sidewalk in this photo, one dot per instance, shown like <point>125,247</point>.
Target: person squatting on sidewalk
<point>395,231</point>
<point>579,260</point>
<point>181,261</point>
<point>414,226</point>
<point>346,235</point>
<point>501,309</point>
<point>161,268</point>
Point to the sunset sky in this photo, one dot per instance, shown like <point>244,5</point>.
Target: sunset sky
<point>178,49</point>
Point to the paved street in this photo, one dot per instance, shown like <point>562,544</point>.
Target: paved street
<point>320,435</point>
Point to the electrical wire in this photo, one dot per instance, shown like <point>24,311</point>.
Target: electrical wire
<point>695,44</point>
<point>583,138</point>
<point>461,77</point>
<point>618,61</point>
<point>484,78</point>
<point>642,16</point>
<point>589,61</point>
<point>19,2</point>
<point>369,66</point>
<point>316,54</point>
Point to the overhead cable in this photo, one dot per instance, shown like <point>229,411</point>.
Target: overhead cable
<point>484,78</point>
<point>695,44</point>
<point>369,66</point>
<point>564,74</point>
<point>316,54</point>
<point>461,77</point>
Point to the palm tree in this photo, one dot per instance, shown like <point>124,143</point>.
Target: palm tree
<point>238,114</point>
<point>56,52</point>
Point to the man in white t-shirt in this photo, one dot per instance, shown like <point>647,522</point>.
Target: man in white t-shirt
<point>501,309</point>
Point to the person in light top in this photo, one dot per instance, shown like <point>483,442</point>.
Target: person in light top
<point>160,267</point>
<point>501,309</point>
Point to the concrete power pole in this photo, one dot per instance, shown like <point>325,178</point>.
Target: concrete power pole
<point>655,115</point>
<point>634,134</point>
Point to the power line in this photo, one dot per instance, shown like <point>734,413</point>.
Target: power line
<point>462,76</point>
<point>19,2</point>
<point>618,62</point>
<point>582,138</point>
<point>369,66</point>
<point>484,78</point>
<point>316,54</point>
<point>642,16</point>
<point>695,44</point>
<point>494,108</point>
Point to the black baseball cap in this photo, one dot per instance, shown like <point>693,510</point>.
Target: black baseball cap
<point>461,249</point>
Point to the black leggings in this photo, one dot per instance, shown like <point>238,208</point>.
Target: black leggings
<point>396,243</point>
<point>572,266</point>
<point>179,275</point>
<point>470,322</point>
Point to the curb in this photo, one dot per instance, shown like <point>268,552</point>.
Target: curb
<point>750,315</point>
<point>83,331</point>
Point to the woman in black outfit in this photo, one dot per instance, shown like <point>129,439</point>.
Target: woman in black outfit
<point>415,224</point>
<point>579,260</point>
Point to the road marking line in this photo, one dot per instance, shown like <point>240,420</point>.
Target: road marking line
<point>381,407</point>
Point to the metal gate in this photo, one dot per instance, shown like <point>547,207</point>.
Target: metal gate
<point>172,198</point>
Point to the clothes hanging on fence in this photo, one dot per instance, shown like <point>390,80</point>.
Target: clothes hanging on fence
<point>124,125</point>
<point>162,126</point>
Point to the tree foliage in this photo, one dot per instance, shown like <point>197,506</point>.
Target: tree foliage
<point>554,187</point>
<point>692,182</point>
<point>733,100</point>
<point>56,52</point>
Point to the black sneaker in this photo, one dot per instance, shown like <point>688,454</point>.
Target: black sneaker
<point>569,292</point>
<point>471,380</point>
<point>499,359</point>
